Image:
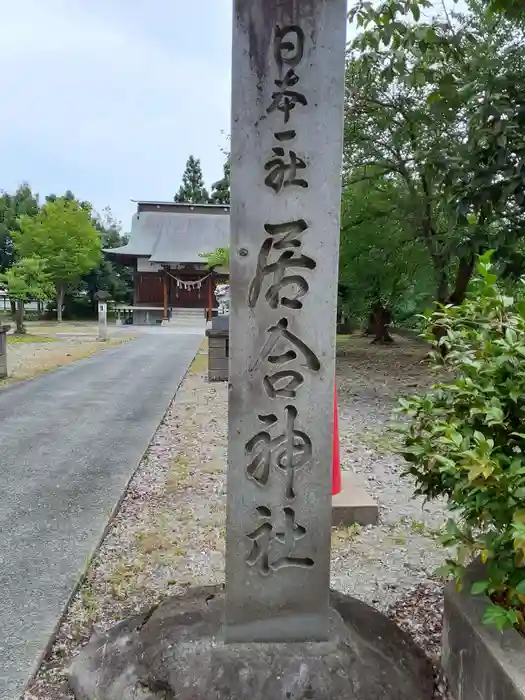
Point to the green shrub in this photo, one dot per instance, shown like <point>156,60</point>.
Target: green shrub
<point>465,439</point>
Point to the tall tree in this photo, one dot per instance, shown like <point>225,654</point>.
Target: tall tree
<point>27,280</point>
<point>192,190</point>
<point>64,235</point>
<point>110,276</point>
<point>220,190</point>
<point>68,194</point>
<point>12,206</point>
<point>384,269</point>
<point>430,102</point>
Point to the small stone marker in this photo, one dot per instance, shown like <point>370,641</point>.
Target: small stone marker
<point>287,122</point>
<point>3,350</point>
<point>102,320</point>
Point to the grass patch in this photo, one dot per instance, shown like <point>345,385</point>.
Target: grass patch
<point>383,442</point>
<point>28,338</point>
<point>149,542</point>
<point>200,361</point>
<point>345,339</point>
<point>124,578</point>
<point>178,476</point>
<point>345,534</point>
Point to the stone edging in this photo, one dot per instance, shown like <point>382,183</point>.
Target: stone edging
<point>480,662</point>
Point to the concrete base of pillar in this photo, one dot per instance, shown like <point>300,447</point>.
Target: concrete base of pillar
<point>353,505</point>
<point>165,322</point>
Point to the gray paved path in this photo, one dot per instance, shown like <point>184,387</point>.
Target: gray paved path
<point>69,442</point>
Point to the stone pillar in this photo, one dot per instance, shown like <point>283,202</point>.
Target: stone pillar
<point>102,320</point>
<point>3,350</point>
<point>287,120</point>
<point>218,353</point>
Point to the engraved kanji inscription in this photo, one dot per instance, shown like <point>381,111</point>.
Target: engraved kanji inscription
<point>283,237</point>
<point>287,451</point>
<point>282,170</point>
<point>288,45</point>
<point>284,382</point>
<point>285,98</point>
<point>287,135</point>
<point>274,541</point>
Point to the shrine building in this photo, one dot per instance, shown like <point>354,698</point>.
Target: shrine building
<point>165,246</point>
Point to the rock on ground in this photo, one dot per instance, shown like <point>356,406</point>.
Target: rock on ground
<point>176,651</point>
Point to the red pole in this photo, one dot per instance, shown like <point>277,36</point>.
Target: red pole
<point>336,456</point>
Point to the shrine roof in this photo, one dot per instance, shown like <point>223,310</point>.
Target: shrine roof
<point>165,232</point>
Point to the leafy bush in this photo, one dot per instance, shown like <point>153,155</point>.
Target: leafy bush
<point>465,439</point>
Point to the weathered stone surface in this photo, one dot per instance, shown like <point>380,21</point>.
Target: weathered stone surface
<point>177,651</point>
<point>3,350</point>
<point>480,662</point>
<point>218,353</point>
<point>220,323</point>
<point>286,145</point>
<point>102,320</point>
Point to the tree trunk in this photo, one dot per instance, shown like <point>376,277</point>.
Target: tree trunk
<point>13,309</point>
<point>60,300</point>
<point>381,318</point>
<point>369,327</point>
<point>463,276</point>
<point>19,317</point>
<point>457,297</point>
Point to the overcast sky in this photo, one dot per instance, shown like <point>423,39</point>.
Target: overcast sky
<point>109,97</point>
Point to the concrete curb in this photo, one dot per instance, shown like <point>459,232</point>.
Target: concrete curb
<point>480,662</point>
<point>352,504</point>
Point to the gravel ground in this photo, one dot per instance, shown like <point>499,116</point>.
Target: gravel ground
<point>25,360</point>
<point>169,533</point>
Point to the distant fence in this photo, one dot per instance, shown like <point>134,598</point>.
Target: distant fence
<point>5,304</point>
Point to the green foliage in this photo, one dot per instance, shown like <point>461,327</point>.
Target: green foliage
<point>465,441</point>
<point>64,235</point>
<point>192,190</point>
<point>110,276</point>
<point>12,206</point>
<point>380,260</point>
<point>220,190</point>
<point>514,9</point>
<point>26,280</point>
<point>220,257</point>
<point>437,99</point>
<point>24,339</point>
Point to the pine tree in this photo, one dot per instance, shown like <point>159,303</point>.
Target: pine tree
<point>220,193</point>
<point>192,190</point>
